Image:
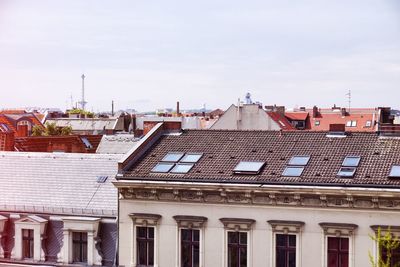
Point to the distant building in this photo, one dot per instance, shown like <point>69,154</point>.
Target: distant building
<point>252,117</point>
<point>117,144</point>
<point>88,126</point>
<point>19,121</point>
<point>58,209</point>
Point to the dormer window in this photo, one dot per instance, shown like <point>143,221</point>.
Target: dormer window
<point>351,124</point>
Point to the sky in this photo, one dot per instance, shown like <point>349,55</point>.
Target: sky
<point>149,54</point>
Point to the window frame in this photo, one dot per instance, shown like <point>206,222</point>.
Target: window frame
<point>147,240</point>
<point>394,230</point>
<point>287,228</point>
<point>237,225</point>
<point>144,220</point>
<point>344,230</point>
<point>193,223</point>
<point>80,243</point>
<point>30,241</point>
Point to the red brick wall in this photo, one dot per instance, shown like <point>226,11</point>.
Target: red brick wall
<point>7,141</point>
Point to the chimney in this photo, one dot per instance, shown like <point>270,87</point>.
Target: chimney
<point>315,111</point>
<point>112,108</point>
<point>343,111</point>
<point>177,109</point>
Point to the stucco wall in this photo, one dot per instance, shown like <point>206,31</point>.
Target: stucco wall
<point>261,236</point>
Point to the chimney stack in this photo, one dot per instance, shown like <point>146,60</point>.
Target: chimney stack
<point>177,109</point>
<point>315,111</point>
<point>343,111</point>
<point>112,108</point>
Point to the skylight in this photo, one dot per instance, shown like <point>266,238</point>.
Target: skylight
<point>182,168</point>
<point>351,161</point>
<point>163,167</point>
<point>191,158</point>
<point>173,157</point>
<point>249,167</point>
<point>347,172</point>
<point>86,142</point>
<point>395,171</point>
<point>101,179</point>
<point>293,171</point>
<point>299,160</point>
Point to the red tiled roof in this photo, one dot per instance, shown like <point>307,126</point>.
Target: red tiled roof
<point>4,120</point>
<point>296,116</point>
<point>326,119</point>
<point>280,120</point>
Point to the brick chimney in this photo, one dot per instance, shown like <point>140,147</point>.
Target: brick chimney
<point>315,111</point>
<point>343,111</point>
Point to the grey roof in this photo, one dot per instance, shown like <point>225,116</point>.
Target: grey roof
<point>87,124</point>
<point>58,183</point>
<point>116,144</point>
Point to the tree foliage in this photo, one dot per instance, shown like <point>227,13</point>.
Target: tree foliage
<point>387,243</point>
<point>51,129</point>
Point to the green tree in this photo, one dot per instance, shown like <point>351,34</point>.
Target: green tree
<point>37,131</point>
<point>51,129</point>
<point>387,243</point>
<point>66,130</point>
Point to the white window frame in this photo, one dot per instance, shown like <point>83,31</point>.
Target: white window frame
<point>394,230</point>
<point>343,230</point>
<point>287,228</point>
<point>144,220</point>
<point>237,225</point>
<point>87,225</point>
<point>38,225</point>
<point>190,222</point>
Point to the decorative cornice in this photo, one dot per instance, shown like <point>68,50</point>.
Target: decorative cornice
<point>392,228</point>
<point>190,221</point>
<point>338,229</point>
<point>261,197</point>
<point>286,226</point>
<point>145,219</point>
<point>237,224</point>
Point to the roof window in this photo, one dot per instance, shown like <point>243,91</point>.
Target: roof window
<point>299,160</point>
<point>191,158</point>
<point>293,171</point>
<point>102,179</point>
<point>351,124</point>
<point>163,167</point>
<point>346,172</point>
<point>173,157</point>
<point>351,161</point>
<point>88,145</point>
<point>249,167</point>
<point>395,171</point>
<point>182,168</point>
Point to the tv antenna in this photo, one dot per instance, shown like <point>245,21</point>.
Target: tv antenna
<point>349,99</point>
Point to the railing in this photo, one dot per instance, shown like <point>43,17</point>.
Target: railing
<point>389,129</point>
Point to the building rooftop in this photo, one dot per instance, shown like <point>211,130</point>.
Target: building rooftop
<point>223,150</point>
<point>58,183</point>
<point>116,144</point>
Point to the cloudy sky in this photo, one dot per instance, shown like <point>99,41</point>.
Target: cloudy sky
<point>147,54</point>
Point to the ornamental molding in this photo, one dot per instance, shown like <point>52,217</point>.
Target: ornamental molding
<point>338,229</point>
<point>335,199</point>
<point>286,227</point>
<point>145,219</point>
<point>185,221</point>
<point>237,224</point>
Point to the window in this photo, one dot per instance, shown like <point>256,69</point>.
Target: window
<point>237,249</point>
<point>395,253</point>
<point>163,167</point>
<point>395,258</point>
<point>190,236</point>
<point>191,158</point>
<point>338,240</point>
<point>286,237</point>
<point>237,238</point>
<point>351,161</point>
<point>145,246</point>
<point>368,123</point>
<point>299,160</point>
<point>182,168</point>
<point>173,157</point>
<point>293,171</point>
<point>346,172</point>
<point>145,239</point>
<point>248,167</point>
<point>285,250</point>
<point>79,247</point>
<point>102,179</point>
<point>395,171</point>
<point>351,124</point>
<point>338,251</point>
<point>190,247</point>
<point>27,243</point>
<point>317,123</point>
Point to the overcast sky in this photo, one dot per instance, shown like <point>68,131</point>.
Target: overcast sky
<point>147,54</point>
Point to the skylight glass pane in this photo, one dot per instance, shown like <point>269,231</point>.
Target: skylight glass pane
<point>299,160</point>
<point>191,158</point>
<point>395,171</point>
<point>162,167</point>
<point>173,157</point>
<point>351,161</point>
<point>346,172</point>
<point>249,167</point>
<point>293,171</point>
<point>182,168</point>
<point>101,179</point>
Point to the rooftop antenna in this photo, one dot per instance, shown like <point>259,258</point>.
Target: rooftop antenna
<point>83,102</point>
<point>349,99</point>
<point>72,101</point>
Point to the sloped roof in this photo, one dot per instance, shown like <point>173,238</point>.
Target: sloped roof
<point>11,119</point>
<point>296,116</point>
<point>224,149</point>
<point>58,183</point>
<point>283,123</point>
<point>116,144</point>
